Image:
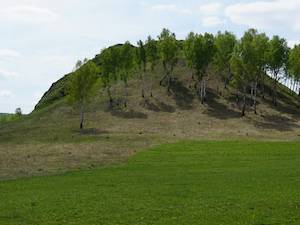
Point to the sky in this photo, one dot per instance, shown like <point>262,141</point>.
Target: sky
<point>41,40</point>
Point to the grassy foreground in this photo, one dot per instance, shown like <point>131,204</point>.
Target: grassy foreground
<point>185,183</point>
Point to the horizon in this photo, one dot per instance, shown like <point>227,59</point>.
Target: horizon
<point>34,53</point>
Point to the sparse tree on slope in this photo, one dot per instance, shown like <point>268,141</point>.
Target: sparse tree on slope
<point>201,54</point>
<point>253,50</point>
<point>152,57</point>
<point>241,75</point>
<point>78,64</point>
<point>168,48</point>
<point>110,60</point>
<point>188,48</point>
<point>261,48</point>
<point>142,63</point>
<point>294,64</point>
<point>126,66</point>
<point>277,60</point>
<point>82,87</point>
<point>225,43</point>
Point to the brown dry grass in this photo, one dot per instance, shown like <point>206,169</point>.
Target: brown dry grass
<point>49,142</point>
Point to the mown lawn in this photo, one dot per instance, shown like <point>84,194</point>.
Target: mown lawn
<point>207,183</point>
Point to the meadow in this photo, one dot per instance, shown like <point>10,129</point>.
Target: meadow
<point>190,182</point>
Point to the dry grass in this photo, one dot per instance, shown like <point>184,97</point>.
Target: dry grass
<point>49,142</point>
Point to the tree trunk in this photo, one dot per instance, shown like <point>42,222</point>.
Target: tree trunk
<point>125,93</point>
<point>225,83</point>
<point>252,94</point>
<point>110,97</point>
<point>244,102</point>
<point>169,82</point>
<point>162,80</point>
<point>227,79</point>
<point>275,90</point>
<point>202,91</point>
<point>255,95</point>
<point>263,87</point>
<point>237,98</point>
<point>81,117</point>
<point>151,84</point>
<point>299,96</point>
<point>143,84</point>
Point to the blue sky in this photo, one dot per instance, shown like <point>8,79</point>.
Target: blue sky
<point>42,39</point>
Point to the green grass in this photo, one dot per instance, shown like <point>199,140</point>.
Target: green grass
<point>6,117</point>
<point>185,183</point>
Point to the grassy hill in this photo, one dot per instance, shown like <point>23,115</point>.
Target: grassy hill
<point>48,140</point>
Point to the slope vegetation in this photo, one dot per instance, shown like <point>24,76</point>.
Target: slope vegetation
<point>48,140</point>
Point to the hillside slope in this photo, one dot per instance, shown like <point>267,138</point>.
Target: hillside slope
<point>49,141</point>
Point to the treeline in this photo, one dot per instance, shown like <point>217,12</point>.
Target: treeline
<point>244,63</point>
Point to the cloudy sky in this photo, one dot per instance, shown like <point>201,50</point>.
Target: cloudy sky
<point>42,39</point>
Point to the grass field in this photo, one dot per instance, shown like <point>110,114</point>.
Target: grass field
<point>213,183</point>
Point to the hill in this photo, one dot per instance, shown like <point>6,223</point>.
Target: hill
<point>48,140</point>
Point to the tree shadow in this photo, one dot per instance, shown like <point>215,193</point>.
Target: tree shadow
<point>183,96</point>
<point>277,122</point>
<point>131,114</point>
<point>217,109</point>
<point>91,131</point>
<point>284,108</point>
<point>159,106</point>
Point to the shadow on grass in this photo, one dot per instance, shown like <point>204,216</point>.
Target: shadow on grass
<point>183,96</point>
<point>91,131</point>
<point>276,122</point>
<point>217,109</point>
<point>131,114</point>
<point>158,106</point>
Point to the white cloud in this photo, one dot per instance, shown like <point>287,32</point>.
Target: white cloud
<point>9,53</point>
<point>292,43</point>
<point>266,14</point>
<point>28,14</point>
<point>5,94</point>
<point>212,14</point>
<point>211,9</point>
<point>212,21</point>
<point>8,74</point>
<point>170,8</point>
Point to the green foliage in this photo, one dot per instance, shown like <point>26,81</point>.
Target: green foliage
<point>239,70</point>
<point>152,53</point>
<point>81,87</point>
<point>168,49</point>
<point>294,62</point>
<point>126,61</point>
<point>141,56</point>
<point>277,54</point>
<point>110,64</point>
<point>249,58</point>
<point>225,43</point>
<point>201,53</point>
<point>221,182</point>
<point>199,50</point>
<point>188,48</point>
